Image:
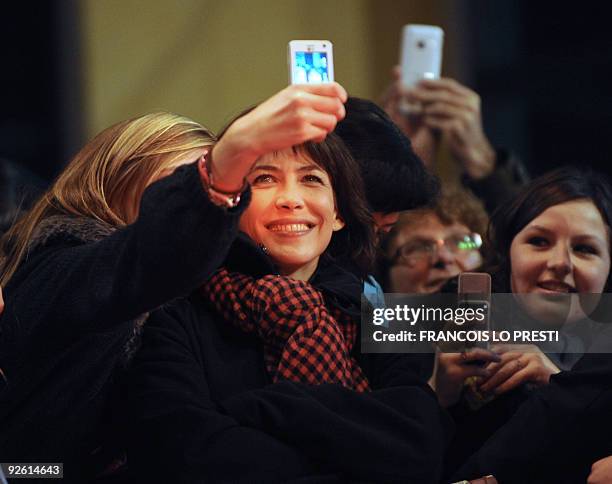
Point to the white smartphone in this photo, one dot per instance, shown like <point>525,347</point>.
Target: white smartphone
<point>310,61</point>
<point>421,53</point>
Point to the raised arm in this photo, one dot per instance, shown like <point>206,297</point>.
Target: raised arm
<point>180,236</point>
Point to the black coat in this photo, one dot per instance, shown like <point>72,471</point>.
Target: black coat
<point>203,407</point>
<point>549,434</point>
<point>502,184</point>
<point>72,307</point>
<point>557,433</point>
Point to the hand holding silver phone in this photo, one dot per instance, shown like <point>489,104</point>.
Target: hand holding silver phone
<point>474,292</point>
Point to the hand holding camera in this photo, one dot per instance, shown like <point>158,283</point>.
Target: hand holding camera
<point>453,110</point>
<point>428,107</point>
<point>452,369</point>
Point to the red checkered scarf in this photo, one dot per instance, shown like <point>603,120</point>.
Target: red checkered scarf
<point>303,340</point>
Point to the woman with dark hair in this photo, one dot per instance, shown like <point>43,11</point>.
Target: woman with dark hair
<point>141,215</point>
<point>258,378</point>
<point>515,260</point>
<point>557,237</point>
<point>553,253</point>
<point>306,201</point>
<point>557,187</point>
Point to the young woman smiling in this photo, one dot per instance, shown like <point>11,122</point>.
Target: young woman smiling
<point>134,221</point>
<point>258,378</point>
<point>553,246</point>
<point>552,240</point>
<point>300,203</point>
<point>293,212</point>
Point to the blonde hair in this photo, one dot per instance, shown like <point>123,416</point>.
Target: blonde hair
<point>115,165</point>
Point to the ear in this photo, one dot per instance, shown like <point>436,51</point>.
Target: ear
<point>338,223</point>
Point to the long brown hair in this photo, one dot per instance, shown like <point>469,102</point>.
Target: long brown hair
<point>356,240</point>
<point>116,165</point>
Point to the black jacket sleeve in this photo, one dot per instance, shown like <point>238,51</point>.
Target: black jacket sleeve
<point>507,178</point>
<point>394,434</point>
<point>391,369</point>
<point>177,433</point>
<point>179,238</point>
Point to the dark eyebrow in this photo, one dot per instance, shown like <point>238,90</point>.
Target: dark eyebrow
<point>311,167</point>
<point>589,237</point>
<point>265,167</point>
<point>539,227</point>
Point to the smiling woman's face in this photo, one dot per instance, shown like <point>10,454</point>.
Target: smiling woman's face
<point>566,249</point>
<point>425,274</point>
<point>292,211</point>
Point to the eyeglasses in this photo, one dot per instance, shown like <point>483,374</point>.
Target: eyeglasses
<point>421,250</point>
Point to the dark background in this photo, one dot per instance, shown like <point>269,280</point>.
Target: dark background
<point>541,68</point>
<point>543,72</point>
<point>41,114</point>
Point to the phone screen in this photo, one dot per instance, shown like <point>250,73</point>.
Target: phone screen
<point>310,68</point>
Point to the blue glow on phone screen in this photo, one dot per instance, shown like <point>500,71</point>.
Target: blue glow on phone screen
<point>310,68</point>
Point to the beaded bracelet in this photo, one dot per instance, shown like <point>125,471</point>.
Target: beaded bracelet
<point>219,197</point>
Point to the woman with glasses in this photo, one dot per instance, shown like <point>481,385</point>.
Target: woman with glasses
<point>423,254</point>
<point>430,246</point>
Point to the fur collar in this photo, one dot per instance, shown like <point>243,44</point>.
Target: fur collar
<point>68,228</point>
<point>83,230</point>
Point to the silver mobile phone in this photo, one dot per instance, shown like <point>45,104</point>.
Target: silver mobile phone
<point>310,61</point>
<point>474,293</point>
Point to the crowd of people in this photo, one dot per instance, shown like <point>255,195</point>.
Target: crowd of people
<point>185,307</point>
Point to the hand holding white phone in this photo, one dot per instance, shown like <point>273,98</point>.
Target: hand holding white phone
<point>420,58</point>
<point>421,53</point>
